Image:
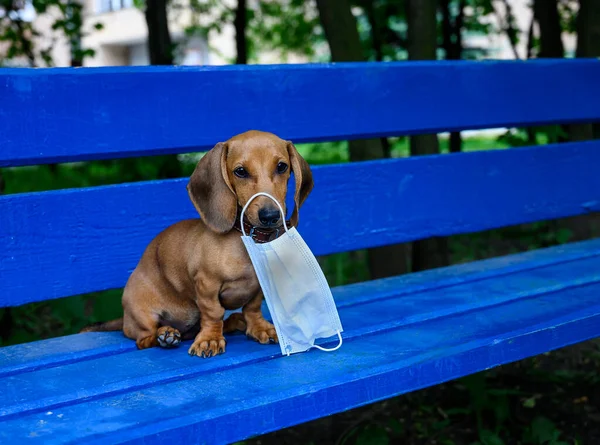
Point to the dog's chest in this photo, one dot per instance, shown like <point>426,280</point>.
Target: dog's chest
<point>239,288</point>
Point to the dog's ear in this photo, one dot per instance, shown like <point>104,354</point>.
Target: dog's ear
<point>304,181</point>
<point>211,192</point>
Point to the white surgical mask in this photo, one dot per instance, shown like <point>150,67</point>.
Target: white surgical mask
<point>296,291</point>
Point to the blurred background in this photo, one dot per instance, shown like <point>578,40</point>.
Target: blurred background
<point>551,399</point>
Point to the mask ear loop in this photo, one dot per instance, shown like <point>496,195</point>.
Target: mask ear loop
<point>339,334</point>
<point>252,199</point>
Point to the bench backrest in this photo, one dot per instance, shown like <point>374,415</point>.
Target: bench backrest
<point>61,243</point>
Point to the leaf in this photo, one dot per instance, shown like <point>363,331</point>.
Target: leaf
<point>530,402</point>
<point>488,437</point>
<point>543,430</point>
<point>457,411</point>
<point>501,410</point>
<point>373,435</point>
<point>107,305</point>
<point>396,426</point>
<point>563,235</point>
<point>440,425</point>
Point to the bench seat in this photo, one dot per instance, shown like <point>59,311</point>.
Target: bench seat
<point>401,334</point>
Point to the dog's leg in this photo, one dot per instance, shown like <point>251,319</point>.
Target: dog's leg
<point>235,322</point>
<point>257,327</point>
<point>150,317</point>
<point>144,332</point>
<point>209,341</point>
<point>141,326</point>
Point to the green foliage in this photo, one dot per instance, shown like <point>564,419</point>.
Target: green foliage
<point>485,400</point>
<point>488,437</point>
<point>568,15</point>
<point>285,27</point>
<point>18,33</point>
<point>522,137</point>
<point>542,431</point>
<point>325,153</point>
<point>373,435</point>
<point>63,316</point>
<point>273,26</point>
<point>383,27</point>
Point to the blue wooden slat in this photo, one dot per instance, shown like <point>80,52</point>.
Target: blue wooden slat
<point>90,239</point>
<point>63,115</point>
<point>35,355</point>
<point>254,398</point>
<point>438,279</point>
<point>42,391</point>
<point>63,350</point>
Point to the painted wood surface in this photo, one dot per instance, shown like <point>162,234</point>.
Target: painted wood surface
<point>90,239</point>
<point>59,115</point>
<point>402,333</point>
<point>55,352</point>
<point>414,331</point>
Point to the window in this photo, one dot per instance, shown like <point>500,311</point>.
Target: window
<point>113,5</point>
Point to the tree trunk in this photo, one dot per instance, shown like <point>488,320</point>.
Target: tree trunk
<point>422,45</point>
<point>548,18</point>
<point>240,22</point>
<point>73,14</point>
<point>551,46</point>
<point>453,47</point>
<point>588,46</point>
<point>160,45</point>
<point>377,41</point>
<point>530,39</point>
<point>588,36</point>
<point>160,50</point>
<point>342,36</point>
<point>588,28</point>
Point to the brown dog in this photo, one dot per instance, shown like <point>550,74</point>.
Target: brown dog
<point>196,269</point>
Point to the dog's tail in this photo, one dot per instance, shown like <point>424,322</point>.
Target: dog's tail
<point>113,325</point>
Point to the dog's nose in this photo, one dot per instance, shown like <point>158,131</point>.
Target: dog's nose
<point>269,217</point>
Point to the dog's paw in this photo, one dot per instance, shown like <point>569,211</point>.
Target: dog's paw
<point>263,332</point>
<point>207,346</point>
<point>168,337</point>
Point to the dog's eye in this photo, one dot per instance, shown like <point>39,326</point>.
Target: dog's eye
<point>282,167</point>
<point>241,172</point>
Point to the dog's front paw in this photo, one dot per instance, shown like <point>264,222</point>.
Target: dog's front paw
<point>168,337</point>
<point>263,332</point>
<point>207,346</point>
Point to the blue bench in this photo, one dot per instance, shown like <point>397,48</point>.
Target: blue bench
<point>401,333</point>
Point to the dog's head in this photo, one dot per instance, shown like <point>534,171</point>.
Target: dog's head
<point>233,171</point>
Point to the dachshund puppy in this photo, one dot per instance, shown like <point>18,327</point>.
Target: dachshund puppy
<point>196,269</point>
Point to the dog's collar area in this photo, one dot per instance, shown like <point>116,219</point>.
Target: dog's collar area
<point>259,235</point>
